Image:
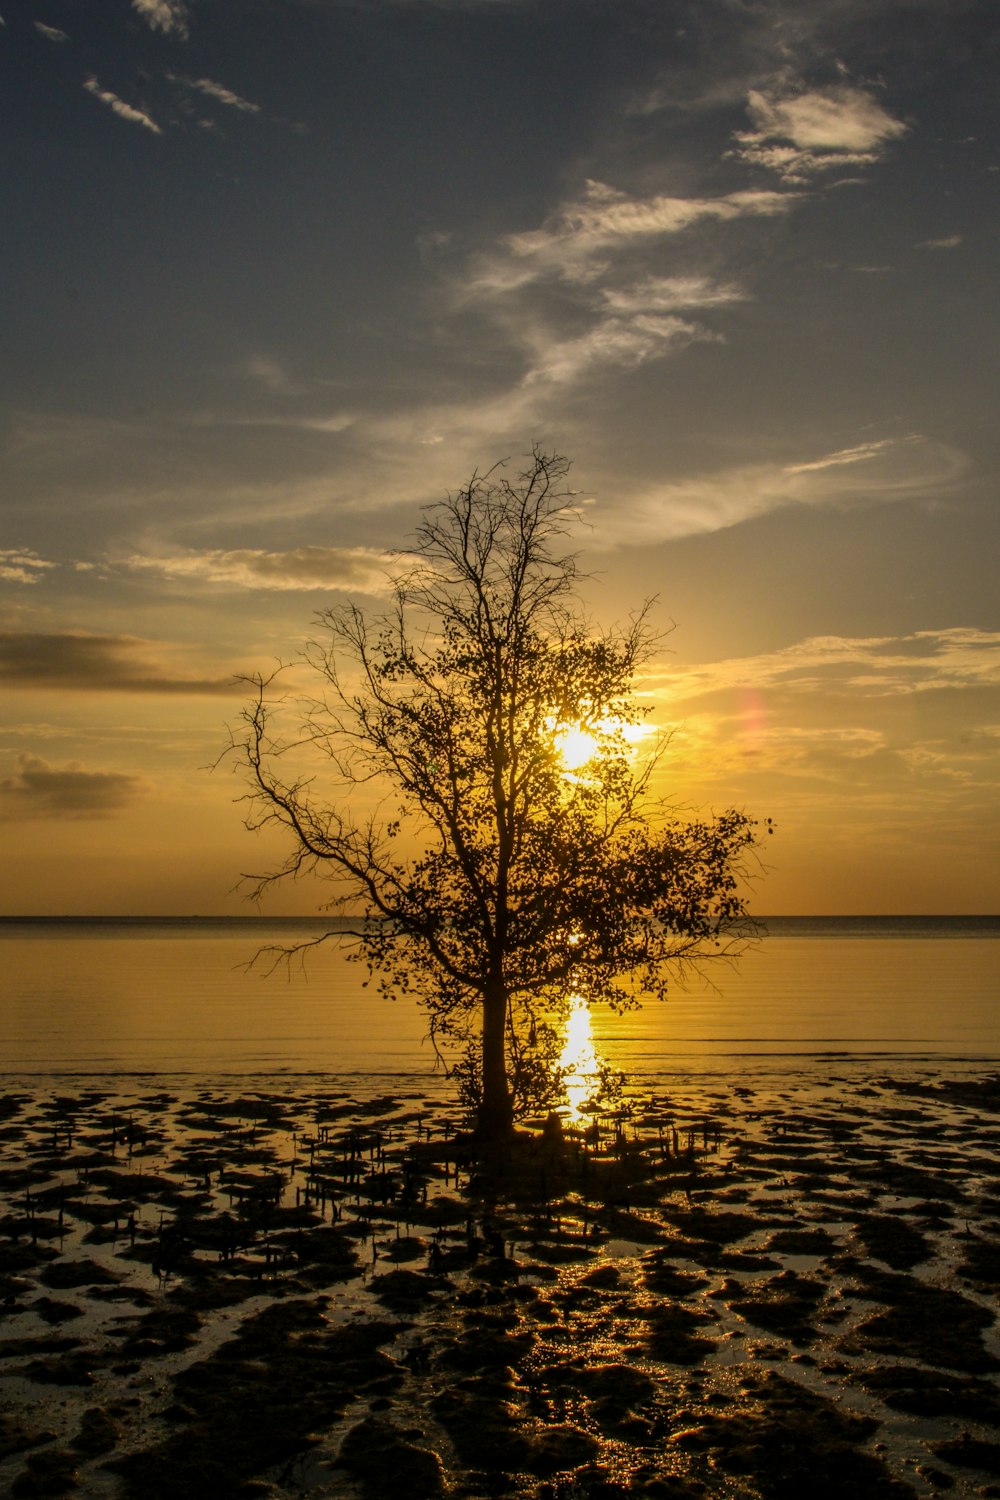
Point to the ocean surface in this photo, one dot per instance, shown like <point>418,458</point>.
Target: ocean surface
<point>184,996</point>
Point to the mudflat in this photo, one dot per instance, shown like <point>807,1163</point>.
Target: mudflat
<point>784,1286</point>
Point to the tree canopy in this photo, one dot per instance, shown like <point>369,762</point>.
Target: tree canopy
<point>511,858</point>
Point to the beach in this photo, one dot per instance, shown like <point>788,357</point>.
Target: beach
<point>774,1285</point>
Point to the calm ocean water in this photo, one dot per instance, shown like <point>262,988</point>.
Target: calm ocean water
<point>175,996</point>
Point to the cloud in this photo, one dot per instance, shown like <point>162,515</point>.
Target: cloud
<point>798,135</point>
<point>845,456</point>
<point>356,569</point>
<point>575,240</point>
<point>611,311</point>
<point>828,753</point>
<point>338,421</point>
<point>21,565</point>
<point>872,667</point>
<point>870,473</point>
<point>632,324</point>
<point>670,293</point>
<point>271,375</point>
<point>217,91</point>
<point>51,33</point>
<point>41,790</point>
<point>92,663</point>
<point>834,119</point>
<point>624,326</point>
<point>899,724</point>
<point>123,110</point>
<point>164,15</point>
<point>622,342</point>
<point>853,766</point>
<point>950,243</point>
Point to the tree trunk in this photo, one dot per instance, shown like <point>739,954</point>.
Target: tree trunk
<point>496,1110</point>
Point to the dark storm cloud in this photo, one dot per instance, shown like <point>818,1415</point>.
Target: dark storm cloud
<point>91,663</point>
<point>40,790</point>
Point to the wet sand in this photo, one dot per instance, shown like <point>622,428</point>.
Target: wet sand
<point>780,1286</point>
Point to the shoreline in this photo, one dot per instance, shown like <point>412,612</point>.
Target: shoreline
<point>752,1255</point>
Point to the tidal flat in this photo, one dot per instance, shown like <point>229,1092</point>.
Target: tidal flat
<point>782,1286</point>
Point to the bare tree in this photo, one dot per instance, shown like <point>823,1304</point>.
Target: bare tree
<point>496,883</point>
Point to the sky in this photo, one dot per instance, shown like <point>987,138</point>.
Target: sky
<point>278,275</point>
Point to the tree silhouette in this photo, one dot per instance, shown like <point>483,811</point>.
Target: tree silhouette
<point>499,876</point>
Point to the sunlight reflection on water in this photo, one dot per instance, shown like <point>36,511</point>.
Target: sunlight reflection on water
<point>579,1059</point>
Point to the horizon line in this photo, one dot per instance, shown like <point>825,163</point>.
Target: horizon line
<point>855,916</point>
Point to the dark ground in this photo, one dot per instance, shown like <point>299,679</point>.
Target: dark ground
<point>777,1290</point>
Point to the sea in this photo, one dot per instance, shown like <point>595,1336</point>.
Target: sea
<point>213,998</point>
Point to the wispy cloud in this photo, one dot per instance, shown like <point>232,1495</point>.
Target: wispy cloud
<point>41,790</point>
<point>858,770</point>
<point>622,324</point>
<point>332,422</point>
<point>898,727</point>
<point>800,134</point>
<point>275,378</point>
<point>445,439</point>
<point>870,473</point>
<point>51,33</point>
<point>584,294</point>
<point>21,565</point>
<point>168,16</point>
<point>575,241</point>
<point>622,342</point>
<point>93,663</point>
<point>671,293</point>
<point>356,569</point>
<point>960,657</point>
<point>119,106</point>
<point>950,242</point>
<point>267,372</point>
<point>609,281</point>
<point>217,91</point>
<point>632,324</point>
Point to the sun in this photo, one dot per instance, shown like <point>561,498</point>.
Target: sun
<point>575,746</point>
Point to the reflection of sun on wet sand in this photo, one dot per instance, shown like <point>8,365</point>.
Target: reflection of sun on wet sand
<point>286,1288</point>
